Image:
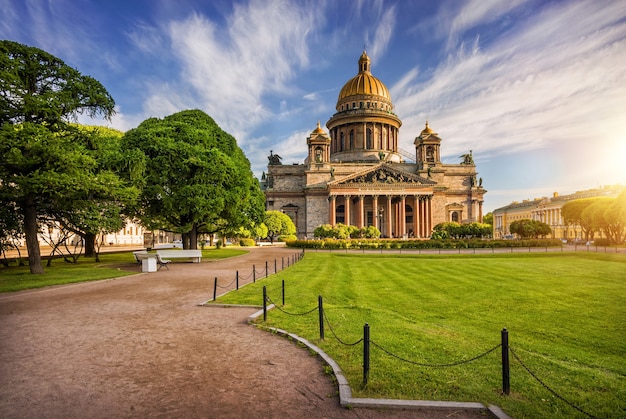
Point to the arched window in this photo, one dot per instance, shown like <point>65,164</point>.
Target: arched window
<point>342,142</point>
<point>318,155</point>
<point>351,139</point>
<point>455,217</point>
<point>369,143</point>
<point>430,153</point>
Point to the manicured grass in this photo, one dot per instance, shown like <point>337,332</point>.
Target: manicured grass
<point>111,265</point>
<point>565,313</point>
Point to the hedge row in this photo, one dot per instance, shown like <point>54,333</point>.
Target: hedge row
<point>420,244</point>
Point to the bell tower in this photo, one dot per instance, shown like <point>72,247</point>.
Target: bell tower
<point>427,148</point>
<point>319,146</point>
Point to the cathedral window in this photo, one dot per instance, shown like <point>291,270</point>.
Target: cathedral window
<point>342,142</point>
<point>369,143</point>
<point>351,139</point>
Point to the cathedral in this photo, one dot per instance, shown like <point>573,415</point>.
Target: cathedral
<point>356,174</point>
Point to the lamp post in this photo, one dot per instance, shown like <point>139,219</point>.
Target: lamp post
<point>380,219</point>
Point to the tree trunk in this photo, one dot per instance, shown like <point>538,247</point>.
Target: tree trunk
<point>90,245</point>
<point>31,229</point>
<point>185,240</point>
<point>193,237</point>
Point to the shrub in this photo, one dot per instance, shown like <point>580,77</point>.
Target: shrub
<point>246,242</point>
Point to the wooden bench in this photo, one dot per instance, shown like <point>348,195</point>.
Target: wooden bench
<point>195,255</point>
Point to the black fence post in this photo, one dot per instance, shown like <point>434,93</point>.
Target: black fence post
<point>506,376</point>
<point>266,269</point>
<point>283,260</point>
<point>274,265</point>
<point>320,310</point>
<point>237,279</point>
<point>366,354</point>
<point>215,289</point>
<point>283,292</point>
<point>253,273</point>
<point>264,303</point>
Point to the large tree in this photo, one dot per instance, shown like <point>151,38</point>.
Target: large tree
<point>41,161</point>
<point>193,176</point>
<point>99,207</point>
<point>572,213</point>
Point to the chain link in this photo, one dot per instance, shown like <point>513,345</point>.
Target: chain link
<point>269,300</point>
<point>558,396</point>
<point>452,364</point>
<point>337,337</point>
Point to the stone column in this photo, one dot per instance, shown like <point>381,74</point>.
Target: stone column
<point>375,211</point>
<point>402,216</point>
<point>429,220</point>
<point>332,218</point>
<point>360,210</point>
<point>389,216</point>
<point>416,218</point>
<point>347,209</point>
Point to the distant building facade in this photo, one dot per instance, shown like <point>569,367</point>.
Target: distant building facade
<point>547,210</point>
<point>356,174</point>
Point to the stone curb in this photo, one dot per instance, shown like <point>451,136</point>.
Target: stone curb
<point>345,392</point>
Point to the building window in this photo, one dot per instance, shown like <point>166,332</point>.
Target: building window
<point>352,139</point>
<point>342,142</point>
<point>455,217</point>
<point>369,144</point>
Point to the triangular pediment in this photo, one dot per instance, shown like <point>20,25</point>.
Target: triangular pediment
<point>382,174</point>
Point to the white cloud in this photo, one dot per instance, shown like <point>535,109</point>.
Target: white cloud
<point>227,71</point>
<point>526,89</point>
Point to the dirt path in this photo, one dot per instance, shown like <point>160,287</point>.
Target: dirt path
<point>141,346</point>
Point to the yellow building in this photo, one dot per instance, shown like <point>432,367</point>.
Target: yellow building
<point>547,210</point>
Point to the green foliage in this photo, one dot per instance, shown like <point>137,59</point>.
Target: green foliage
<point>245,242</point>
<point>488,218</point>
<point>606,215</point>
<point>44,162</point>
<point>278,224</point>
<point>195,178</point>
<point>572,213</point>
<point>334,243</point>
<point>287,237</point>
<point>526,228</point>
<point>40,88</point>
<point>455,230</point>
<point>342,231</point>
<point>442,309</point>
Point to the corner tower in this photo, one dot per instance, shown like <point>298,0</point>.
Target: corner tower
<point>427,148</point>
<point>364,128</point>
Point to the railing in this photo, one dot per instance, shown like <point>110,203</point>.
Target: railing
<point>369,343</point>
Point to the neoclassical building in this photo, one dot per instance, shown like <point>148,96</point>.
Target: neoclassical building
<point>356,174</point>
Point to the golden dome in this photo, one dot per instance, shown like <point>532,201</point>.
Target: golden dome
<point>364,83</point>
<point>318,130</point>
<point>427,130</point>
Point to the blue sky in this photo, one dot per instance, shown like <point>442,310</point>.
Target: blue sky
<point>537,89</point>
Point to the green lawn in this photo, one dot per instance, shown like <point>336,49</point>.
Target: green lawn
<point>565,313</point>
<point>111,265</point>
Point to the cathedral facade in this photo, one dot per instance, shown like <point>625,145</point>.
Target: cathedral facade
<point>355,173</point>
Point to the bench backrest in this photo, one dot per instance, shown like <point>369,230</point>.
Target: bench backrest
<point>141,255</point>
<point>189,253</point>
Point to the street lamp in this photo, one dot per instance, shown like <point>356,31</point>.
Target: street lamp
<point>380,219</point>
